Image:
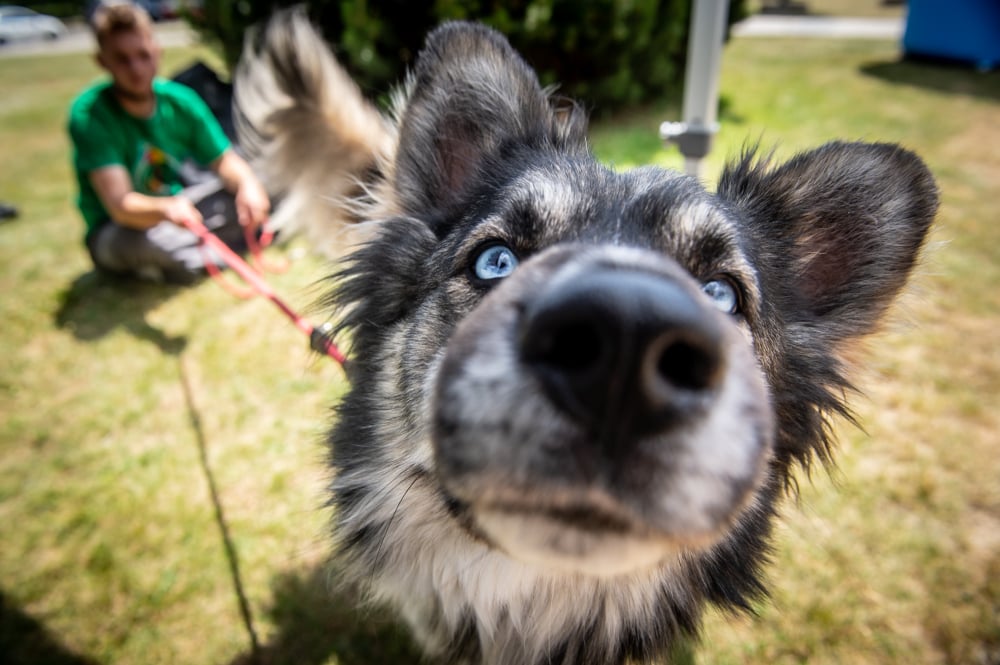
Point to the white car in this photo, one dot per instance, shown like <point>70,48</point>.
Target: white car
<point>17,23</point>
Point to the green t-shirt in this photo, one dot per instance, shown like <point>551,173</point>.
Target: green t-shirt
<point>151,149</point>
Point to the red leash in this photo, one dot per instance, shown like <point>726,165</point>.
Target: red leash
<point>256,261</point>
<point>319,336</point>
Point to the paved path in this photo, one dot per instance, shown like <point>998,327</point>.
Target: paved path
<point>79,39</point>
<point>839,27</point>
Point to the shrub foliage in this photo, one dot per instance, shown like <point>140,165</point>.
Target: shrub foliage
<point>607,53</point>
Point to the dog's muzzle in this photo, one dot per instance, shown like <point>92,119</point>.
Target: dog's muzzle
<point>597,412</point>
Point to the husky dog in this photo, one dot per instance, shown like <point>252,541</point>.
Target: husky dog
<point>576,394</point>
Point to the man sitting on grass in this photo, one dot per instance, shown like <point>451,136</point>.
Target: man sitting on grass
<point>132,137</point>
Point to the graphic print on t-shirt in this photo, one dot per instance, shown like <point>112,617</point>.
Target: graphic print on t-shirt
<point>156,172</point>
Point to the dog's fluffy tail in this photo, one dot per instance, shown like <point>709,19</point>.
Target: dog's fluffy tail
<point>309,132</point>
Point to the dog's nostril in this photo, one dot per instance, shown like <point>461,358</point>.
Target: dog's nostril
<point>683,363</point>
<point>571,347</point>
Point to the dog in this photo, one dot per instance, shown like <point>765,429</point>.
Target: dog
<point>576,395</point>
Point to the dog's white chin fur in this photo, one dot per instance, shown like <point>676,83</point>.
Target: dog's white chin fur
<point>547,543</point>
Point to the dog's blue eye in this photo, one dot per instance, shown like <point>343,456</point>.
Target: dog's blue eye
<point>495,262</point>
<point>723,295</point>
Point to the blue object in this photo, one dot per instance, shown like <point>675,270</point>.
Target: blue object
<point>966,30</point>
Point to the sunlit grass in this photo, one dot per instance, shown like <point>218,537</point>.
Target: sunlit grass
<point>119,404</point>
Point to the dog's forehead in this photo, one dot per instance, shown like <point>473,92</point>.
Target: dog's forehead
<point>643,207</point>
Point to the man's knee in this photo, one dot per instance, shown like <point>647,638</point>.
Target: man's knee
<point>164,252</point>
<point>112,247</point>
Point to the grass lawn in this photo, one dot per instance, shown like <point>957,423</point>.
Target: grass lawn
<point>147,433</point>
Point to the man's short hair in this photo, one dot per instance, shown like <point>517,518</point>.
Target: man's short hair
<point>114,18</point>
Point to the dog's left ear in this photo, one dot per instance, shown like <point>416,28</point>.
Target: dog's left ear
<point>470,97</point>
<point>843,223</point>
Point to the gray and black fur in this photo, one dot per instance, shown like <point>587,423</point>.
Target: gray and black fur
<point>577,394</point>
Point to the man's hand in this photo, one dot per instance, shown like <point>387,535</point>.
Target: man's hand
<point>252,203</point>
<point>181,211</point>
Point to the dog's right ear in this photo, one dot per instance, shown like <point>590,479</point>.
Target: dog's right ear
<point>470,97</point>
<point>844,222</point>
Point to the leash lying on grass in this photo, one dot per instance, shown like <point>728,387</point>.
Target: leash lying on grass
<point>319,336</point>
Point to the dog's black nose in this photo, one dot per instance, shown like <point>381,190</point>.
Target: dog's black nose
<point>624,353</point>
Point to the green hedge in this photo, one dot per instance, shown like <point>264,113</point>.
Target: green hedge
<point>607,53</point>
<point>62,10</point>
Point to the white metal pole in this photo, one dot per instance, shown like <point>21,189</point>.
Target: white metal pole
<point>701,80</point>
<point>701,84</point>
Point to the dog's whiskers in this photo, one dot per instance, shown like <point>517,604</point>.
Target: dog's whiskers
<point>377,561</point>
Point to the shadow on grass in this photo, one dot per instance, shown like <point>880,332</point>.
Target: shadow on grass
<point>220,515</point>
<point>315,623</point>
<point>939,75</point>
<point>96,303</point>
<point>26,641</point>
